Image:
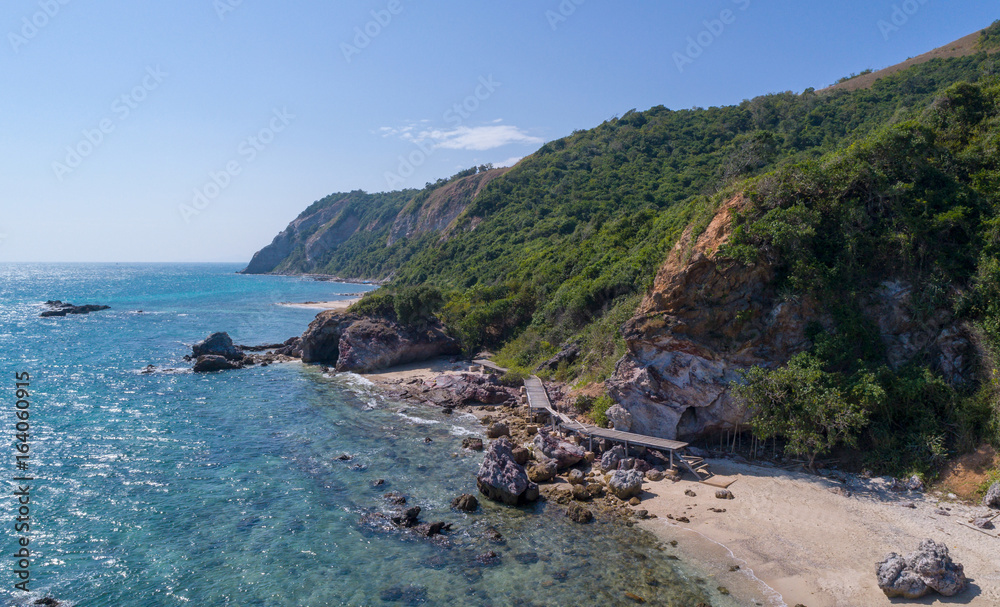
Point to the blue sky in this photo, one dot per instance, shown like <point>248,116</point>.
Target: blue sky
<point>195,130</point>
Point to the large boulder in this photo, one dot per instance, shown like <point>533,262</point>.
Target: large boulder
<point>928,569</point>
<point>363,344</point>
<point>542,471</point>
<point>210,363</point>
<point>625,484</point>
<point>217,344</point>
<point>563,452</point>
<point>612,457</point>
<point>501,478</point>
<point>992,499</point>
<point>620,418</point>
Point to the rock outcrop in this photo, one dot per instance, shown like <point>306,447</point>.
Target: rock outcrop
<point>564,453</point>
<point>707,318</point>
<point>928,569</point>
<point>217,344</point>
<point>59,308</point>
<point>501,478</point>
<point>209,363</point>
<point>992,498</point>
<point>362,344</point>
<point>625,484</point>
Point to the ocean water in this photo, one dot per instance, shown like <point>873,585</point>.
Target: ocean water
<point>171,488</point>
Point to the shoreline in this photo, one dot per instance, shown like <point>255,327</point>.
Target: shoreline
<point>792,538</point>
<point>338,304</point>
<point>815,541</point>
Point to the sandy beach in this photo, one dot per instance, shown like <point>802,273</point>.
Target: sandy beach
<point>340,304</point>
<point>807,540</point>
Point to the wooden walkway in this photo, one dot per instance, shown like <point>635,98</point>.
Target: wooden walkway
<point>538,400</point>
<point>488,366</point>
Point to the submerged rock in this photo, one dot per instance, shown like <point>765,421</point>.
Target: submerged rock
<point>928,569</point>
<point>465,503</point>
<point>500,477</point>
<point>211,363</point>
<point>58,308</point>
<point>579,514</point>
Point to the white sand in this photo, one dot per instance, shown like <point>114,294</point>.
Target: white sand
<point>340,304</point>
<point>810,546</point>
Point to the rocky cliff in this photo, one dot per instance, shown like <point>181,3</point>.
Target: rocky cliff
<point>339,234</point>
<point>708,317</point>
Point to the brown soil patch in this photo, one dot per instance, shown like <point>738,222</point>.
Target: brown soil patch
<point>964,475</point>
<point>959,48</point>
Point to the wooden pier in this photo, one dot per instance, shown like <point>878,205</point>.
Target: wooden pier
<point>538,400</point>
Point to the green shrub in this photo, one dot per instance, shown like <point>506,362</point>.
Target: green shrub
<point>598,412</point>
<point>514,378</point>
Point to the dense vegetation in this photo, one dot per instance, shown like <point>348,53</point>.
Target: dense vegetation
<point>848,187</point>
<point>917,201</point>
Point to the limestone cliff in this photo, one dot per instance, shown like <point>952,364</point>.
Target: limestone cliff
<point>707,317</point>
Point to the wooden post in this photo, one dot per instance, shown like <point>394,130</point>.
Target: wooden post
<point>671,459</point>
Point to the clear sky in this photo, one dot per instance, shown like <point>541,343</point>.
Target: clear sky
<point>116,114</point>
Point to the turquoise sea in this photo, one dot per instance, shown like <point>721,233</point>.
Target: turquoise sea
<point>171,489</point>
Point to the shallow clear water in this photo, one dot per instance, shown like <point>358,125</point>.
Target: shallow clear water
<point>173,488</point>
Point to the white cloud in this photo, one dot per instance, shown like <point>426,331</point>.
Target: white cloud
<point>509,162</point>
<point>476,138</point>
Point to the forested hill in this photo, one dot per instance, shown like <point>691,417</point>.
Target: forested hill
<point>824,206</point>
<point>580,226</point>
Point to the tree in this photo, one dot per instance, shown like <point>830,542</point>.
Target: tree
<point>802,403</point>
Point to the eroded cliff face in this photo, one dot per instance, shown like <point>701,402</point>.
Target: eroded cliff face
<point>706,318</point>
<point>307,244</point>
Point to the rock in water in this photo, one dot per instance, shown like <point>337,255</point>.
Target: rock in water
<point>992,499</point>
<point>625,484</point>
<point>565,453</point>
<point>465,503</point>
<point>475,444</point>
<point>579,514</point>
<point>210,363</point>
<point>620,418</point>
<point>58,308</point>
<point>918,573</point>
<point>500,477</point>
<point>611,457</point>
<point>217,344</point>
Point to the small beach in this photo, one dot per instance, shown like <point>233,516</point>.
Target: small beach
<point>339,304</point>
<point>816,541</point>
